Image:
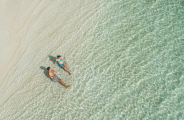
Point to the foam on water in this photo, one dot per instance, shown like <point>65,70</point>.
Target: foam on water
<point>126,59</point>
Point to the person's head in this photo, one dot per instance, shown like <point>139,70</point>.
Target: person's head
<point>48,68</point>
<point>58,56</point>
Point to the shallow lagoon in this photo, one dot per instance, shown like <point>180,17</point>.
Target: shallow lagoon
<point>126,59</point>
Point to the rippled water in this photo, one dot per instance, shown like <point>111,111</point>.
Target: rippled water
<point>126,59</point>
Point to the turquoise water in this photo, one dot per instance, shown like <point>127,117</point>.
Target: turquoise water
<point>129,65</point>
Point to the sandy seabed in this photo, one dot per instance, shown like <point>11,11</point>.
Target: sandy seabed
<point>32,33</point>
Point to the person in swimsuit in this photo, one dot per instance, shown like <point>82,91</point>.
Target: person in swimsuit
<point>55,78</point>
<point>60,61</point>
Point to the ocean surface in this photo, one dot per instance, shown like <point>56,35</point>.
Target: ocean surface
<point>126,58</point>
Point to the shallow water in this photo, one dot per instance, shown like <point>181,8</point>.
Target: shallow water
<point>126,59</point>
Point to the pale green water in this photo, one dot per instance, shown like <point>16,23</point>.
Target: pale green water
<point>128,65</point>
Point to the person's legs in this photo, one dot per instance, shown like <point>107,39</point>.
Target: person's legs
<point>65,68</point>
<point>60,81</point>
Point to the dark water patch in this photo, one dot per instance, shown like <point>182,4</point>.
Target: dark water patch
<point>148,1</point>
<point>180,114</point>
<point>181,2</point>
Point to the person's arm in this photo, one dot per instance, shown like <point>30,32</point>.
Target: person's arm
<point>50,76</point>
<point>63,58</point>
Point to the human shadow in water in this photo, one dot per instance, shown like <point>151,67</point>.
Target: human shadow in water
<point>53,59</point>
<point>45,71</point>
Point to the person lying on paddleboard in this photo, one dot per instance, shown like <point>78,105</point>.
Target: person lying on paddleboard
<point>60,61</point>
<point>55,78</point>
